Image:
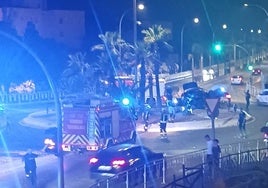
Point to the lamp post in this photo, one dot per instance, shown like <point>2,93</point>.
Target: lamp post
<point>257,6</point>
<point>244,49</point>
<point>234,48</point>
<point>135,22</point>
<point>57,105</point>
<point>195,20</point>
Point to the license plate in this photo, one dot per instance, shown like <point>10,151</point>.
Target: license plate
<point>105,168</point>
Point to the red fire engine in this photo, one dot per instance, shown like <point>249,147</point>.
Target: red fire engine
<point>97,124</point>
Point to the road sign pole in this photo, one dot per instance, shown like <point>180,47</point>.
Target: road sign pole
<point>213,127</point>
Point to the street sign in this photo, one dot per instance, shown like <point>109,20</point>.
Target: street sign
<point>212,105</point>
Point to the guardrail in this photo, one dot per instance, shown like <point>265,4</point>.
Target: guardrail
<point>173,165</point>
<point>179,76</point>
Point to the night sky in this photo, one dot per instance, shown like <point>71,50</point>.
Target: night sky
<point>104,15</point>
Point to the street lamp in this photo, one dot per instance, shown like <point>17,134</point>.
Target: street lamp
<point>195,20</point>
<point>135,22</point>
<point>257,6</point>
<point>56,100</point>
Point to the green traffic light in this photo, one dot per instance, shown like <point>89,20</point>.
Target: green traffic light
<point>250,67</point>
<point>217,48</point>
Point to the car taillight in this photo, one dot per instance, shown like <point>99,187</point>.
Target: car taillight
<point>118,162</point>
<point>93,160</point>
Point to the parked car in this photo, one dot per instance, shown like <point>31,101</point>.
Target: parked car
<point>196,97</point>
<point>237,80</point>
<point>193,96</point>
<point>118,158</point>
<point>262,97</point>
<point>256,72</point>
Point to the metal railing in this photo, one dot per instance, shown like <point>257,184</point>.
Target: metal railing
<point>174,165</point>
<point>18,98</point>
<point>230,165</point>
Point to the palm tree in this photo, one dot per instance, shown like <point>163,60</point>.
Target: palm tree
<point>78,76</point>
<point>155,36</point>
<point>142,56</point>
<point>115,56</point>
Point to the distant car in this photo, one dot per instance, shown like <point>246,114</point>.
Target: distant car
<point>237,80</point>
<point>262,97</point>
<point>225,97</point>
<point>122,157</point>
<point>256,71</point>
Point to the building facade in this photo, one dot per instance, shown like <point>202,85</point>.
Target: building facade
<point>64,26</point>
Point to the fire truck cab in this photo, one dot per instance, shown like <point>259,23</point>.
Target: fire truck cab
<point>96,124</point>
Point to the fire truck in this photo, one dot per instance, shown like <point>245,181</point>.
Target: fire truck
<point>96,124</point>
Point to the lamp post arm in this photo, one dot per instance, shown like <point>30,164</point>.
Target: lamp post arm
<point>260,7</point>
<point>242,48</point>
<point>120,23</point>
<point>257,6</point>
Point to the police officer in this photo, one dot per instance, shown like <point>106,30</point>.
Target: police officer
<point>247,97</point>
<point>30,163</point>
<point>145,116</point>
<point>163,124</point>
<point>242,123</point>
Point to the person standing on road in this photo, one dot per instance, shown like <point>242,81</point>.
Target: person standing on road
<point>171,110</point>
<point>163,124</point>
<point>209,156</point>
<point>145,116</point>
<point>242,123</point>
<point>216,151</point>
<point>30,163</point>
<point>247,97</point>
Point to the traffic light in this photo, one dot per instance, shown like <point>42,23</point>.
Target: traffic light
<point>250,67</point>
<point>217,48</point>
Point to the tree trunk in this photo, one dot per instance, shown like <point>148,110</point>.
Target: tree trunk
<point>142,82</point>
<point>158,99</point>
<point>151,91</point>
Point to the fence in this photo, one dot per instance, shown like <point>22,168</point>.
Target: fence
<point>14,98</point>
<point>232,165</point>
<point>175,165</point>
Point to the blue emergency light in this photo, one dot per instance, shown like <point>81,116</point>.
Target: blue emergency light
<point>125,101</point>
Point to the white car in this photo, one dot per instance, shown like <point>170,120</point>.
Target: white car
<point>237,80</point>
<point>262,97</point>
